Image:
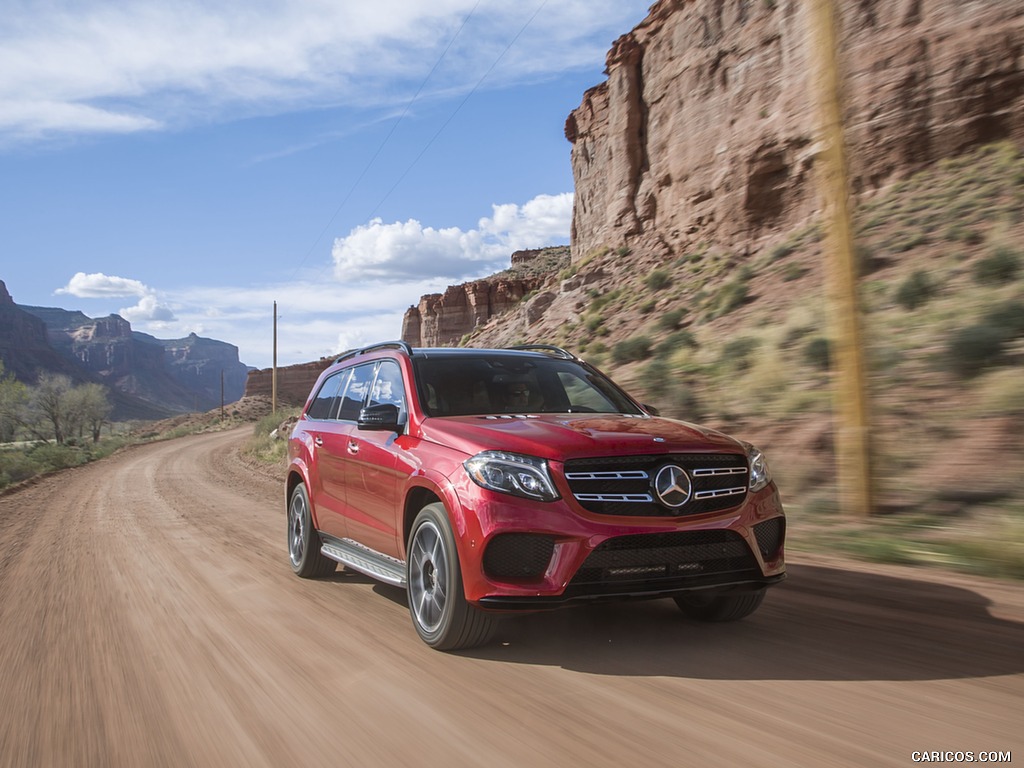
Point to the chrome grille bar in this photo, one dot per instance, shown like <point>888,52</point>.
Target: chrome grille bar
<point>624,475</point>
<point>720,492</point>
<point>712,471</point>
<point>640,498</point>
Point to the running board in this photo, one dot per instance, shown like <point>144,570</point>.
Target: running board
<point>367,561</point>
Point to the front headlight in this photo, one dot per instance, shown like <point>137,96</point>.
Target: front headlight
<point>513,473</point>
<point>760,475</point>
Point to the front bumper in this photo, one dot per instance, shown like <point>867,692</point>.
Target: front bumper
<point>554,553</point>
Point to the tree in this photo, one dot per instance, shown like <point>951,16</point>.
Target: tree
<point>93,407</point>
<point>13,401</point>
<point>49,399</point>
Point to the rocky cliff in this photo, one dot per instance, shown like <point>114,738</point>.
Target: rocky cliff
<point>25,348</point>
<point>293,381</point>
<point>442,319</point>
<point>705,130</point>
<point>149,378</point>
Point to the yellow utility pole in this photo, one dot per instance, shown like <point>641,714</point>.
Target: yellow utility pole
<point>273,374</point>
<point>852,434</point>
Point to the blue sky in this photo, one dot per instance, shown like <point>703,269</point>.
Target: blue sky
<point>185,164</point>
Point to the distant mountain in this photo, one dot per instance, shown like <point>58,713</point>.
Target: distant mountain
<point>148,377</point>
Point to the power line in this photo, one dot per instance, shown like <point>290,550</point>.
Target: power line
<point>456,111</point>
<point>386,139</point>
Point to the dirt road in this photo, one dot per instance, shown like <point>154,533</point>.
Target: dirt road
<point>149,618</point>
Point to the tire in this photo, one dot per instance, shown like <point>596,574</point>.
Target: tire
<point>719,607</point>
<point>303,541</point>
<point>437,601</point>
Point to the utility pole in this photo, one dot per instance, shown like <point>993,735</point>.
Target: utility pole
<point>273,375</point>
<point>222,394</point>
<point>852,440</point>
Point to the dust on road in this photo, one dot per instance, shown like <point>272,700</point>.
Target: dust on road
<point>148,617</point>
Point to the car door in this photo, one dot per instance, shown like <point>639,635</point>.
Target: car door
<point>329,440</point>
<point>376,462</point>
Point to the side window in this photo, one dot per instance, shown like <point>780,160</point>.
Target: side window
<point>388,387</point>
<point>323,402</point>
<point>355,392</point>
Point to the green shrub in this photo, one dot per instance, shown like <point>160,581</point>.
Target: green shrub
<point>647,307</point>
<point>781,251</point>
<point>671,319</point>
<point>15,466</point>
<point>793,271</point>
<point>677,340</point>
<point>1007,317</point>
<point>657,378</point>
<point>50,456</point>
<point>975,347</point>
<point>630,350</point>
<point>731,296</point>
<point>658,280</point>
<point>915,291</point>
<point>1000,266</point>
<point>818,353</point>
<point>736,353</point>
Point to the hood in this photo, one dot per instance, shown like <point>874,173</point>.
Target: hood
<point>558,437</point>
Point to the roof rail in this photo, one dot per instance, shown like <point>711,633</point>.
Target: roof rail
<point>549,348</point>
<point>402,345</point>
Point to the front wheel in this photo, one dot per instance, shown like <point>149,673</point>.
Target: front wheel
<point>437,601</point>
<point>719,607</point>
<point>303,541</point>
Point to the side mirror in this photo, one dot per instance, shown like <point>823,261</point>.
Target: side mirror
<point>651,409</point>
<point>382,417</point>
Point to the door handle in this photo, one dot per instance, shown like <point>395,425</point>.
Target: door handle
<point>318,440</point>
<point>353,447</point>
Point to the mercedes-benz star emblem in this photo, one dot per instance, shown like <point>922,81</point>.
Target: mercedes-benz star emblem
<point>672,486</point>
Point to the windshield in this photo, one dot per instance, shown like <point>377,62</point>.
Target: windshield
<point>466,385</point>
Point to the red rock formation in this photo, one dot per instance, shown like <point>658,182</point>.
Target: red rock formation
<point>706,127</point>
<point>442,319</point>
<point>293,381</point>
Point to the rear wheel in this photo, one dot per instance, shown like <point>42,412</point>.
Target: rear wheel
<point>303,541</point>
<point>437,601</point>
<point>719,607</point>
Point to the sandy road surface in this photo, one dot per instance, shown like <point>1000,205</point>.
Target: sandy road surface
<point>149,618</point>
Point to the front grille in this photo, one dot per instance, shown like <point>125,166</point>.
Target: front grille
<point>518,555</point>
<point>652,562</point>
<point>769,535</point>
<point>624,485</point>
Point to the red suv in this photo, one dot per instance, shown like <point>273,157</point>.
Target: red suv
<point>486,481</point>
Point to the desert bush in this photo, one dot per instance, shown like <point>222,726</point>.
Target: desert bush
<point>631,350</point>
<point>818,353</point>
<point>15,466</point>
<point>729,297</point>
<point>657,378</point>
<point>736,353</point>
<point>1008,317</point>
<point>658,280</point>
<point>671,319</point>
<point>49,457</point>
<point>973,348</point>
<point>792,271</point>
<point>915,291</point>
<point>676,341</point>
<point>648,306</point>
<point>999,266</point>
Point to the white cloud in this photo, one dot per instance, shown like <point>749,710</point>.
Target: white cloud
<point>85,66</point>
<point>409,250</point>
<point>148,310</point>
<point>98,285</point>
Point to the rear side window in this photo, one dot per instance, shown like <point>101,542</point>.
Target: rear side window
<point>323,403</point>
<point>355,392</point>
